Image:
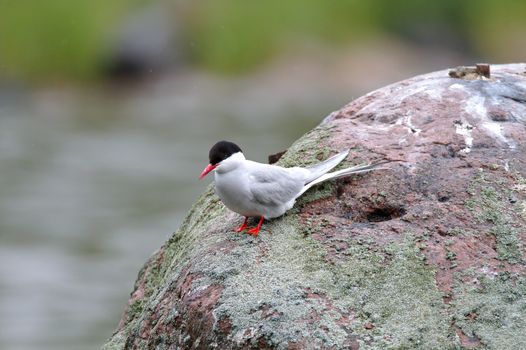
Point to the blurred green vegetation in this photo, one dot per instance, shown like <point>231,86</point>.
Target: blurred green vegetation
<point>498,28</point>
<point>67,39</point>
<point>56,38</point>
<point>232,35</point>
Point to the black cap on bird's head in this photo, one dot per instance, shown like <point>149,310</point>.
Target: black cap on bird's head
<point>219,152</point>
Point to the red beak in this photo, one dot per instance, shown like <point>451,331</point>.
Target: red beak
<point>208,169</point>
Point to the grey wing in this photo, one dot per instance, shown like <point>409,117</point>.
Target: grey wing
<point>272,185</point>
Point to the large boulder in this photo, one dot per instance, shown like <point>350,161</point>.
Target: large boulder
<point>426,255</point>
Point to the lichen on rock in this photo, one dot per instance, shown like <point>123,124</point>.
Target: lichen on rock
<point>426,255</point>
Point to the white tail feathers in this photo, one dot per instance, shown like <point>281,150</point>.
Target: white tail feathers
<point>319,169</point>
<point>324,176</point>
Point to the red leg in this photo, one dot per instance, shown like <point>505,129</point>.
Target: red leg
<point>243,226</point>
<point>254,231</point>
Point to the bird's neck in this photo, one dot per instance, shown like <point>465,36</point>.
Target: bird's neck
<point>231,163</point>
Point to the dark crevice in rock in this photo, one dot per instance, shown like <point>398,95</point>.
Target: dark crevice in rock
<point>521,100</point>
<point>451,151</point>
<point>385,214</point>
<point>443,199</point>
<point>501,116</point>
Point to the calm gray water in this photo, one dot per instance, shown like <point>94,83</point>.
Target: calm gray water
<point>93,181</point>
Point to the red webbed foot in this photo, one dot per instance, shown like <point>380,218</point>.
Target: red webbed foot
<point>254,231</point>
<point>243,226</point>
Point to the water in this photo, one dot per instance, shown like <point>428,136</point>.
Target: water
<point>92,182</point>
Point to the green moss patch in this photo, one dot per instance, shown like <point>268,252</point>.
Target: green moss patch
<point>390,288</point>
<point>490,203</point>
<point>493,311</point>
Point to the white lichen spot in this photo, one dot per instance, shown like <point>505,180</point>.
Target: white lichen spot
<point>464,128</point>
<point>521,85</point>
<point>435,94</point>
<point>406,122</point>
<point>402,141</point>
<point>412,127</point>
<point>488,272</point>
<point>457,87</point>
<point>495,130</point>
<point>243,335</point>
<point>476,108</point>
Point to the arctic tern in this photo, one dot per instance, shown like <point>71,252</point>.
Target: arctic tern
<point>263,190</point>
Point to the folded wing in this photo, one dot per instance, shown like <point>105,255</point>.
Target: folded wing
<point>273,185</point>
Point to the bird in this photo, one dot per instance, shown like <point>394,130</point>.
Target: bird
<point>267,191</point>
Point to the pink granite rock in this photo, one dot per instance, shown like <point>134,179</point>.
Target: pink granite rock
<point>428,254</point>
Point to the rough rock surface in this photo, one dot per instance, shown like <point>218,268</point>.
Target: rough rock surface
<point>427,255</point>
